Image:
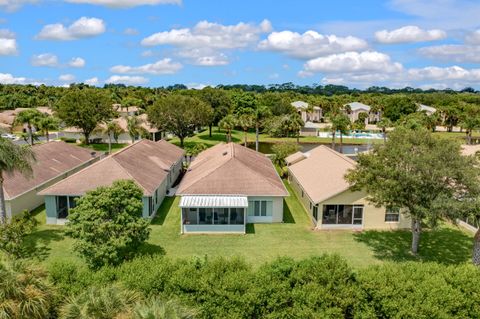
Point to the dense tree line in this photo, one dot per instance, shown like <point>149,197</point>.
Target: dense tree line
<point>317,287</point>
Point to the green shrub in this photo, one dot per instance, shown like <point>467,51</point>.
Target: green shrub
<point>13,234</point>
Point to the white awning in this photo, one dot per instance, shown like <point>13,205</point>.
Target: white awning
<point>213,201</point>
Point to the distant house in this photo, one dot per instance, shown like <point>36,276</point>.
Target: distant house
<point>226,187</point>
<point>427,109</point>
<point>153,133</point>
<point>54,162</point>
<point>318,179</point>
<point>126,110</point>
<point>153,166</point>
<point>354,109</point>
<point>7,118</point>
<point>315,116</point>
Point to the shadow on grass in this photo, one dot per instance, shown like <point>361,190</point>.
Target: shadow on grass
<point>444,245</point>
<point>148,249</point>
<point>250,229</point>
<point>37,244</point>
<point>163,210</point>
<point>287,214</point>
<point>220,137</point>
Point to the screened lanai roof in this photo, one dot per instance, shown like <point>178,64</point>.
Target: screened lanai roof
<point>213,201</point>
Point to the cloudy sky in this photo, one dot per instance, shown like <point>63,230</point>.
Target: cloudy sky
<point>420,43</point>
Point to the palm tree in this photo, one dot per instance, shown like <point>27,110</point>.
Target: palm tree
<point>246,121</point>
<point>135,128</point>
<point>28,117</point>
<point>228,123</point>
<point>113,130</point>
<point>100,303</point>
<point>341,122</point>
<point>260,113</point>
<point>46,124</point>
<point>384,123</point>
<point>295,124</point>
<point>156,308</point>
<point>24,292</point>
<point>13,157</point>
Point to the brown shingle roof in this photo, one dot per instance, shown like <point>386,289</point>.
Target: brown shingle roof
<point>321,173</point>
<point>294,158</point>
<point>145,162</point>
<point>228,169</point>
<point>52,160</point>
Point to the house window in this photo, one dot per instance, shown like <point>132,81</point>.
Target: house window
<point>260,208</point>
<point>392,214</point>
<point>342,214</point>
<point>62,207</point>
<point>315,212</point>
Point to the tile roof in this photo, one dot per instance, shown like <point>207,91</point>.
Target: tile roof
<point>321,173</point>
<point>145,162</point>
<point>52,159</point>
<point>231,169</point>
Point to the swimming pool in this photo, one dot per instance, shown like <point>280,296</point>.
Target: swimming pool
<point>365,135</point>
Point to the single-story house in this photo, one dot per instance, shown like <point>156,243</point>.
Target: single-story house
<point>126,110</point>
<point>54,161</point>
<point>315,116</point>
<point>318,179</point>
<point>153,166</point>
<point>427,109</point>
<point>228,186</point>
<point>354,109</point>
<point>153,133</point>
<point>7,118</point>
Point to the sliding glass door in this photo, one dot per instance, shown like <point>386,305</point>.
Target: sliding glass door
<point>342,215</point>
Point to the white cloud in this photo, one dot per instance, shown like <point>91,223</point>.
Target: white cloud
<point>130,31</point>
<point>458,53</point>
<point>45,59</point>
<point>310,44</point>
<point>444,74</point>
<point>92,81</point>
<point>82,28</point>
<point>196,86</point>
<point>127,80</point>
<point>205,43</point>
<point>76,63</point>
<point>353,62</point>
<point>164,66</point>
<point>13,5</point>
<point>126,3</point>
<point>7,78</point>
<point>67,78</point>
<point>473,37</point>
<point>409,34</point>
<point>148,53</point>
<point>8,43</point>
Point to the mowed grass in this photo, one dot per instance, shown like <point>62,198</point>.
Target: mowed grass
<point>265,242</point>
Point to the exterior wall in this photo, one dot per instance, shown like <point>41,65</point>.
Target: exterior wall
<point>51,209</point>
<point>175,172</point>
<point>274,210</point>
<point>30,200</point>
<point>308,131</point>
<point>304,200</point>
<point>214,229</point>
<point>373,217</point>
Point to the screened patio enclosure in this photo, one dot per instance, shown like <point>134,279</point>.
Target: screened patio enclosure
<point>213,214</point>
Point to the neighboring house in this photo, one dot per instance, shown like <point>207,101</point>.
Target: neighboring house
<point>318,179</point>
<point>126,110</point>
<point>153,166</point>
<point>54,162</point>
<point>427,109</point>
<point>124,137</point>
<point>315,116</point>
<point>226,187</point>
<point>7,117</point>
<point>354,109</point>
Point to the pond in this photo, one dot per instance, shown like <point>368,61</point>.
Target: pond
<point>349,149</point>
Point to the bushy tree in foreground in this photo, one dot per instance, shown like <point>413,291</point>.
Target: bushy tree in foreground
<point>107,223</point>
<point>12,234</point>
<point>24,292</point>
<point>421,173</point>
<point>282,150</point>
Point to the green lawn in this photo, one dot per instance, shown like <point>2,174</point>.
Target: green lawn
<point>264,242</point>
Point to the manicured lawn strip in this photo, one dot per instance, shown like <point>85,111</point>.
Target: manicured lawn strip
<point>265,242</point>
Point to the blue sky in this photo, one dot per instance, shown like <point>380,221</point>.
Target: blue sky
<point>395,43</point>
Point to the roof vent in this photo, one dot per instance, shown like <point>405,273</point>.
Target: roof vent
<point>225,153</point>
